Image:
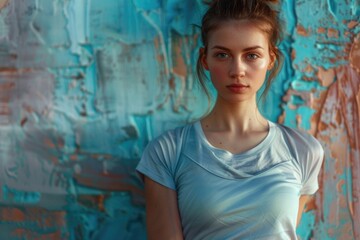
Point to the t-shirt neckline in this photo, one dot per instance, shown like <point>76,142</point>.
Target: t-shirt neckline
<point>259,147</point>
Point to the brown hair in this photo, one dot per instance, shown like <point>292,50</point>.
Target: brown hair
<point>262,12</point>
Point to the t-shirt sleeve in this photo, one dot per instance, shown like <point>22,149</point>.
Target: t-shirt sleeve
<point>159,159</point>
<point>311,165</point>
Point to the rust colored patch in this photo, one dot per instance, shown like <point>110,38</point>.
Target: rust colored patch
<point>157,43</point>
<point>281,118</point>
<point>107,183</point>
<point>49,143</point>
<point>160,58</point>
<point>7,86</point>
<point>352,24</point>
<point>293,54</point>
<point>332,33</point>
<point>354,56</point>
<point>10,214</point>
<point>172,83</point>
<point>302,31</point>
<point>309,69</point>
<point>321,30</point>
<point>310,205</point>
<point>322,126</point>
<point>22,233</point>
<point>11,70</point>
<point>93,201</point>
<point>178,59</point>
<point>339,130</point>
<point>326,77</point>
<point>39,217</point>
<point>316,104</point>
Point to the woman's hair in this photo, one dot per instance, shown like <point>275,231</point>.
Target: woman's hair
<point>261,12</point>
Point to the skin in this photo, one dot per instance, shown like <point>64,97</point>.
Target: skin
<point>3,3</point>
<point>237,54</point>
<point>238,58</point>
<point>162,214</point>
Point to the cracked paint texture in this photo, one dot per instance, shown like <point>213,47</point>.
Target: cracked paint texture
<point>85,85</point>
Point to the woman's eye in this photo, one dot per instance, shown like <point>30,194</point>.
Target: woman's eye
<point>252,56</point>
<point>221,55</point>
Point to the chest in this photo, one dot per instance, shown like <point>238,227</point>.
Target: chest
<point>206,199</point>
<point>234,143</point>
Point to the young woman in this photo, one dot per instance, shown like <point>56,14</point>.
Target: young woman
<point>233,174</point>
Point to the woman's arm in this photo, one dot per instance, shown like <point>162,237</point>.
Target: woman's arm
<point>162,213</point>
<point>302,202</point>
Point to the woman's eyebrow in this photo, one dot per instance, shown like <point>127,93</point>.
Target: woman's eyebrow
<point>245,49</point>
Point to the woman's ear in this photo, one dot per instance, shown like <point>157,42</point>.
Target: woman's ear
<point>202,53</point>
<point>272,59</point>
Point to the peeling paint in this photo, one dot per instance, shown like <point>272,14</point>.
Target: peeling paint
<point>85,85</point>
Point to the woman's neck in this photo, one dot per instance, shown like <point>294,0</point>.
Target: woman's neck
<point>240,117</point>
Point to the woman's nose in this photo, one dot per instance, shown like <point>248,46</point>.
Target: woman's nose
<point>237,68</point>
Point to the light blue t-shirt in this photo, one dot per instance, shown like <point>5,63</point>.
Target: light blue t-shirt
<point>251,195</point>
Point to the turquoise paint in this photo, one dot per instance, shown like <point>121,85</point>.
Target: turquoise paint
<point>306,113</point>
<point>307,222</point>
<point>4,28</point>
<point>297,100</point>
<point>109,94</point>
<point>332,8</point>
<point>304,86</point>
<point>19,197</point>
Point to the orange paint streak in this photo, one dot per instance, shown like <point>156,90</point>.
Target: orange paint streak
<point>321,30</point>
<point>172,83</point>
<point>354,55</point>
<point>22,233</point>
<point>310,205</point>
<point>352,24</point>
<point>93,201</point>
<point>339,130</point>
<point>309,69</point>
<point>107,184</point>
<point>326,77</point>
<point>178,59</point>
<point>302,31</point>
<point>332,33</point>
<point>41,218</point>
<point>293,54</point>
<point>12,215</point>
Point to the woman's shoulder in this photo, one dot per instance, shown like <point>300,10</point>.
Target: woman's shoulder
<point>171,138</point>
<point>300,140</point>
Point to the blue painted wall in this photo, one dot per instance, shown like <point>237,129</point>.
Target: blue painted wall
<point>85,85</point>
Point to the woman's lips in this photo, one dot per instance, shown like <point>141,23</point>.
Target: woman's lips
<point>237,88</point>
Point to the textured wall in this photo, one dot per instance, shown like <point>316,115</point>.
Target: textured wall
<point>84,85</point>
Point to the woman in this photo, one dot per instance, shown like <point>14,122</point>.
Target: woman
<point>233,174</point>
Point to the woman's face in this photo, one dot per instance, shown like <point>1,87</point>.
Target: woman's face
<point>237,58</point>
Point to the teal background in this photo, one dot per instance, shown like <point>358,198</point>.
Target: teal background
<point>86,84</point>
